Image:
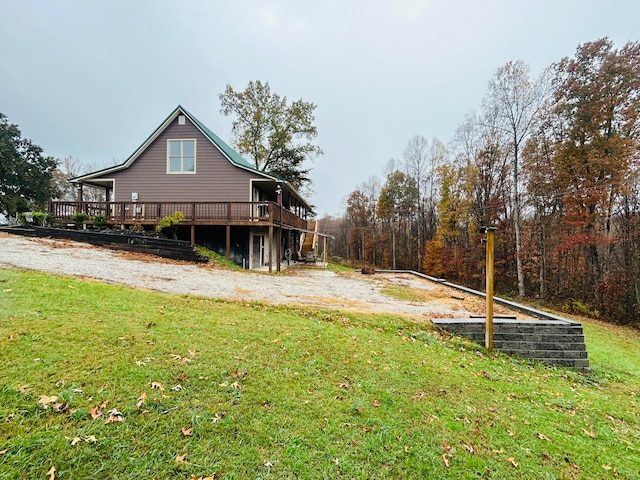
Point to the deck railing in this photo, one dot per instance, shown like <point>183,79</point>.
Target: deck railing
<point>199,213</point>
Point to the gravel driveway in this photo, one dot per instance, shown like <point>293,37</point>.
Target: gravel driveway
<point>314,287</point>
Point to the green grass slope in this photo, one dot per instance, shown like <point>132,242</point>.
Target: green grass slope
<point>102,381</point>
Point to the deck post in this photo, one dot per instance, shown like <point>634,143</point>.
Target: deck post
<point>278,252</point>
<point>193,235</point>
<point>271,248</point>
<point>324,251</point>
<point>228,243</point>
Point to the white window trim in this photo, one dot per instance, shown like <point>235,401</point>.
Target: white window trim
<point>195,156</point>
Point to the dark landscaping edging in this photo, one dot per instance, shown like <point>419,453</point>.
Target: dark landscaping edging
<point>160,247</point>
<point>551,339</point>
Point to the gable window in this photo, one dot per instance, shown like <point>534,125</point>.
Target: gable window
<point>181,156</point>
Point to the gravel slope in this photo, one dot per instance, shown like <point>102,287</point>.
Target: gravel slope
<point>349,291</point>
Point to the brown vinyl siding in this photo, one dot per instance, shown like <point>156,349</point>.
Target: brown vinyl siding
<point>216,178</point>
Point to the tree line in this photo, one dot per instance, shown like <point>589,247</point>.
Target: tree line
<point>552,162</point>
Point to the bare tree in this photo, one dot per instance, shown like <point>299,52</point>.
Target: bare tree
<point>421,160</point>
<point>514,100</point>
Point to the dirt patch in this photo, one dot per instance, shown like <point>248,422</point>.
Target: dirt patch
<point>316,287</point>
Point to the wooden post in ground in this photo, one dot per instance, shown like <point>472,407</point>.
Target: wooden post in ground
<point>489,231</point>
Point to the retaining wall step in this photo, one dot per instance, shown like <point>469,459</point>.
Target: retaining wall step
<point>546,354</point>
<point>508,345</point>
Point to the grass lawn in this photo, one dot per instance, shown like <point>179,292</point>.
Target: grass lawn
<point>102,381</point>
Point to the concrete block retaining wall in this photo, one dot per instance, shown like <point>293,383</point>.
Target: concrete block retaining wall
<point>556,342</point>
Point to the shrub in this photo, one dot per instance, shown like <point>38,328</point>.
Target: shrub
<point>41,218</point>
<point>37,218</point>
<point>99,220</point>
<point>170,223</point>
<point>136,228</point>
<point>79,217</point>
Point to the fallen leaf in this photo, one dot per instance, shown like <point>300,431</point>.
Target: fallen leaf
<point>512,461</point>
<point>191,352</point>
<point>52,473</point>
<point>375,403</point>
<point>542,436</point>
<point>177,388</point>
<point>176,357</point>
<point>235,385</point>
<point>336,461</point>
<point>472,449</point>
<point>216,418</point>
<point>46,400</point>
<point>444,459</point>
<point>181,458</point>
<point>104,404</point>
<point>346,386</point>
<point>59,407</point>
<point>2,452</point>
<point>268,464</point>
<point>114,416</point>
<point>7,290</point>
<point>187,431</point>
<point>141,399</point>
<point>588,433</point>
<point>156,386</point>
<point>22,388</point>
<point>606,467</point>
<point>75,441</point>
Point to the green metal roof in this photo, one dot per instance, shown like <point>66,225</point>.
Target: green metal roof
<point>234,156</point>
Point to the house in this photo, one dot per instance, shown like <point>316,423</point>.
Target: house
<point>253,218</point>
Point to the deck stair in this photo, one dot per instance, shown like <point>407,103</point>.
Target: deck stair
<point>309,243</point>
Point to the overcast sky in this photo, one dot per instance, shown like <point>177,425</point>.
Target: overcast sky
<point>93,79</point>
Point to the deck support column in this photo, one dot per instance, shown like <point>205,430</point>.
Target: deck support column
<point>193,235</point>
<point>279,249</point>
<point>228,243</point>
<point>324,251</point>
<point>271,248</point>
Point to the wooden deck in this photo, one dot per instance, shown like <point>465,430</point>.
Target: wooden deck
<point>195,213</point>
